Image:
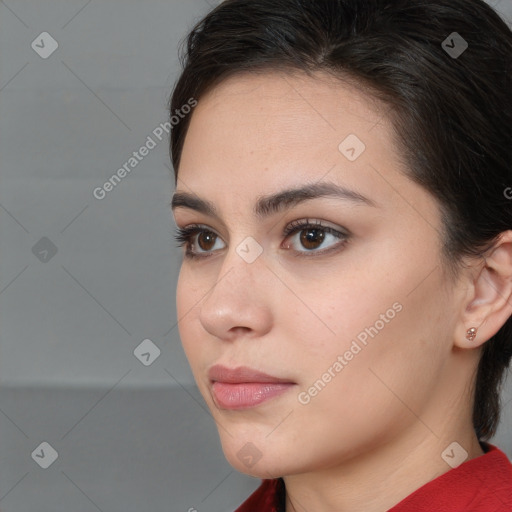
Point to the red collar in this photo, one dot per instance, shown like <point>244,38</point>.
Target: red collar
<point>482,484</point>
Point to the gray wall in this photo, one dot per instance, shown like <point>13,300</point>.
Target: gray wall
<point>83,280</point>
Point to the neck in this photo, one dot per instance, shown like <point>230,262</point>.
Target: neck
<point>377,480</point>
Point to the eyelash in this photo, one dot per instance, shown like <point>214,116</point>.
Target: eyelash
<point>184,235</point>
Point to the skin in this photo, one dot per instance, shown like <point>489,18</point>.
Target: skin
<point>375,432</point>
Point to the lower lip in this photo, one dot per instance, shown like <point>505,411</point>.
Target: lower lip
<point>246,394</point>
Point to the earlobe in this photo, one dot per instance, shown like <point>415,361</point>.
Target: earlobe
<point>490,304</point>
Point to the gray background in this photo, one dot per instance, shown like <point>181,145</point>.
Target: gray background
<point>129,437</point>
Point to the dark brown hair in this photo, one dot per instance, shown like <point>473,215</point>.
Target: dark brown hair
<point>451,113</point>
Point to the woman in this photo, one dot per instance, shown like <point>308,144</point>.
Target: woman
<point>344,198</point>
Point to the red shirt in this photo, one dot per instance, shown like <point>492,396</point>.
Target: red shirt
<point>482,484</point>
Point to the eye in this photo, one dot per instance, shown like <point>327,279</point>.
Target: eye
<point>205,238</point>
<point>312,236</point>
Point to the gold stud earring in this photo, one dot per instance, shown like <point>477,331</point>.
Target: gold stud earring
<point>471,333</point>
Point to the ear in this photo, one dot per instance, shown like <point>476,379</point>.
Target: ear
<point>489,301</point>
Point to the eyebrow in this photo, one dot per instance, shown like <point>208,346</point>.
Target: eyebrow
<point>275,203</point>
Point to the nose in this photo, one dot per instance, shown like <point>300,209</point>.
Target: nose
<point>239,302</point>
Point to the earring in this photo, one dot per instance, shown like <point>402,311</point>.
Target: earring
<point>471,333</point>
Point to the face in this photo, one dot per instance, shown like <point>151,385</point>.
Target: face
<point>340,298</point>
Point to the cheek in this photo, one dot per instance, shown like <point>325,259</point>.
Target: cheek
<point>387,333</point>
<point>392,354</point>
<point>183,294</point>
<point>338,314</point>
<point>187,304</point>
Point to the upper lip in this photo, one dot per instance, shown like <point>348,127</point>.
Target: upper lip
<point>240,374</point>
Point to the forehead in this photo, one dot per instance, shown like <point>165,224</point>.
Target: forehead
<point>255,134</point>
<point>294,99</point>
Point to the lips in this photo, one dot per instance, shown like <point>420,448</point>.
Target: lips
<point>242,374</point>
<point>244,387</point>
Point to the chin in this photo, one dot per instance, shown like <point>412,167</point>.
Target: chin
<point>261,459</point>
<point>269,468</point>
<point>250,455</point>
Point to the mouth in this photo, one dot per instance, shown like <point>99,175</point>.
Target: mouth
<point>244,387</point>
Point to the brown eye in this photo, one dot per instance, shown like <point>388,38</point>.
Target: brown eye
<point>206,240</point>
<point>312,238</point>
<point>200,242</point>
